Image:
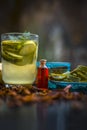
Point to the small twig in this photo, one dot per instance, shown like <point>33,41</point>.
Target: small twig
<point>67,88</point>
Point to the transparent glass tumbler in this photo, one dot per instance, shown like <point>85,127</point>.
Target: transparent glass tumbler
<point>19,56</point>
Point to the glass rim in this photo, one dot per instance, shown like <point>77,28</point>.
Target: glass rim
<point>20,33</point>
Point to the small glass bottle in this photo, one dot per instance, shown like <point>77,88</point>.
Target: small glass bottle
<point>42,75</point>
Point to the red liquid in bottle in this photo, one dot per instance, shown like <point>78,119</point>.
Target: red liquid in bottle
<point>42,75</point>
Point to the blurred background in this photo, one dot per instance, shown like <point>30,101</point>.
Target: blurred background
<point>60,24</point>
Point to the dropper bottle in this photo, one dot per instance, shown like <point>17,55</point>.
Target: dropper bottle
<point>42,75</point>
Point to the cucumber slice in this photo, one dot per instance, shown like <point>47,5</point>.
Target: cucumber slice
<point>11,57</point>
<point>11,42</point>
<point>28,47</point>
<point>15,56</point>
<point>11,46</point>
<point>28,59</point>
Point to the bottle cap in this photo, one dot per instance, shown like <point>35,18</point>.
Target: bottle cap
<point>43,61</point>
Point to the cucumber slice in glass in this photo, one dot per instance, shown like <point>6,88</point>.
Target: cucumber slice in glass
<point>12,46</point>
<point>11,57</point>
<point>28,48</point>
<point>28,59</point>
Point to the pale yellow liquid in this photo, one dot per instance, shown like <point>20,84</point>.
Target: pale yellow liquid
<point>13,74</point>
